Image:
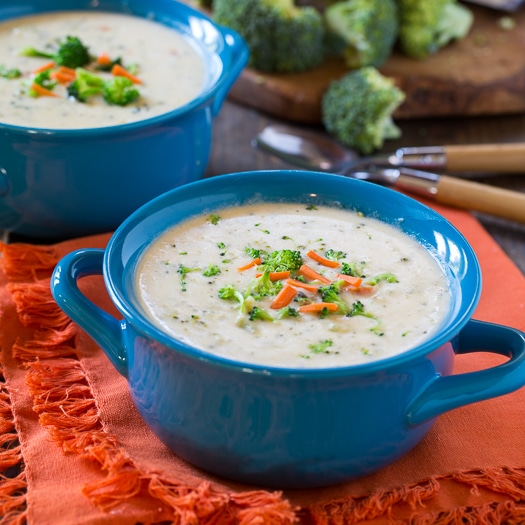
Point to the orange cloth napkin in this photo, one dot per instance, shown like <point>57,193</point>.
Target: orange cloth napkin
<point>74,449</point>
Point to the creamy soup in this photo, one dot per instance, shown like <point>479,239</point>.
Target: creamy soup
<point>358,289</point>
<point>170,67</point>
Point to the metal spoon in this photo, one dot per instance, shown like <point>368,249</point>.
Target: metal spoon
<point>300,149</point>
<point>313,151</point>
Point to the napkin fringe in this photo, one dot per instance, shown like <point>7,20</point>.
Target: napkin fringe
<point>12,488</point>
<point>507,481</point>
<point>65,405</point>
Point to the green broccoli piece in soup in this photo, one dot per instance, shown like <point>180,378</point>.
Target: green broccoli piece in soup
<point>70,53</point>
<point>368,29</point>
<point>281,36</point>
<point>283,260</point>
<point>44,79</point>
<point>85,85</point>
<point>425,27</point>
<point>260,314</point>
<point>357,109</point>
<point>10,73</point>
<point>120,91</point>
<point>332,294</point>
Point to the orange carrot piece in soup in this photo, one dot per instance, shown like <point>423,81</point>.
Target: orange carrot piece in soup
<point>284,297</point>
<point>104,59</point>
<point>310,273</point>
<point>44,67</point>
<point>251,264</point>
<point>118,71</point>
<point>300,284</point>
<point>350,279</point>
<point>42,91</point>
<point>279,276</point>
<point>314,308</point>
<point>322,260</point>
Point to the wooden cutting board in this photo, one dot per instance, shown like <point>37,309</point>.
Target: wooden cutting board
<point>480,75</point>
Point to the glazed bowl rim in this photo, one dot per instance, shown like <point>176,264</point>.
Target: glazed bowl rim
<point>124,304</point>
<point>204,96</point>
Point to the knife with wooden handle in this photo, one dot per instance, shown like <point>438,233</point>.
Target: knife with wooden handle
<point>486,158</point>
<point>461,193</point>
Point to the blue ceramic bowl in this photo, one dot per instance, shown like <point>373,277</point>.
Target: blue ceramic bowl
<point>63,183</point>
<point>289,427</point>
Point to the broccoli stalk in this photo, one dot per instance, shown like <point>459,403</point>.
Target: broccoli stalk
<point>357,109</point>
<point>281,36</point>
<point>70,53</point>
<point>425,27</point>
<point>368,29</point>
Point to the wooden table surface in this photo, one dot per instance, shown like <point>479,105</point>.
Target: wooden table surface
<point>236,125</point>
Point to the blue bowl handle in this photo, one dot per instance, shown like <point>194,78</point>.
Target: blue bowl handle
<point>446,393</point>
<point>239,58</point>
<point>102,327</point>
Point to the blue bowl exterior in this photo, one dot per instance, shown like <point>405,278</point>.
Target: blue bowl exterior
<point>280,427</point>
<point>64,183</point>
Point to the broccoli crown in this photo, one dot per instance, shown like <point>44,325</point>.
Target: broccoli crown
<point>281,37</point>
<point>282,260</point>
<point>425,27</point>
<point>85,85</point>
<point>119,91</point>
<point>357,109</point>
<point>368,28</point>
<point>332,294</point>
<point>72,53</point>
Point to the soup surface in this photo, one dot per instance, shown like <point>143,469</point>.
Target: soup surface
<point>361,290</point>
<point>171,68</point>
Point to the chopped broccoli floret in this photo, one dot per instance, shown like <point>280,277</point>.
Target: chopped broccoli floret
<point>387,277</point>
<point>281,36</point>
<point>263,286</point>
<point>70,53</point>
<point>120,91</point>
<point>287,311</point>
<point>334,255</point>
<point>230,293</point>
<point>357,109</point>
<point>9,72</point>
<point>260,314</point>
<point>44,79</point>
<point>425,27</point>
<point>321,347</point>
<point>282,260</point>
<point>332,294</point>
<point>368,28</point>
<point>355,269</point>
<point>85,85</point>
<point>211,270</point>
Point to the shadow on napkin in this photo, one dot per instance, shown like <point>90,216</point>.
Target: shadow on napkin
<point>75,450</point>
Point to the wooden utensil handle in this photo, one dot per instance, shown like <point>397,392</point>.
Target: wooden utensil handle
<point>481,197</point>
<point>494,158</point>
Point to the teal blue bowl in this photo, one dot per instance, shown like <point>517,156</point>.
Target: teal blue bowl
<point>63,183</point>
<point>285,427</point>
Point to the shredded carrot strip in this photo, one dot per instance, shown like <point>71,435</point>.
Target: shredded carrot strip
<point>103,59</point>
<point>251,264</point>
<point>322,260</point>
<point>284,297</point>
<point>310,273</point>
<point>63,77</point>
<point>350,279</point>
<point>300,284</point>
<point>313,308</point>
<point>119,71</point>
<point>278,276</point>
<point>44,67</point>
<point>42,91</point>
